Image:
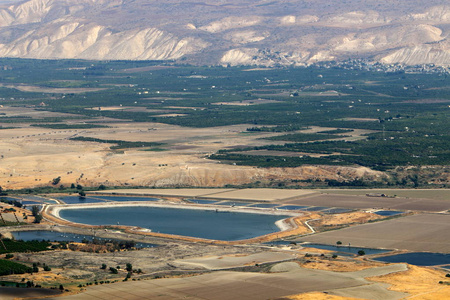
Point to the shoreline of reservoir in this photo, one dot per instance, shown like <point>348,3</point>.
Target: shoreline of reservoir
<point>286,225</point>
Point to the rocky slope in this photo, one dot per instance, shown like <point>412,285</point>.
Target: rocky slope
<point>233,32</point>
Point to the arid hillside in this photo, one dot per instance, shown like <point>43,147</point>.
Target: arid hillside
<point>284,32</point>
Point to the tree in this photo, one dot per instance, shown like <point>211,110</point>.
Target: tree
<point>129,267</point>
<point>35,268</point>
<point>113,270</point>
<point>56,180</point>
<point>361,252</point>
<point>35,210</point>
<point>82,194</point>
<point>103,267</point>
<point>37,219</point>
<point>338,243</point>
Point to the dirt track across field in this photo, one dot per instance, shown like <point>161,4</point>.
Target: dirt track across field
<point>365,202</point>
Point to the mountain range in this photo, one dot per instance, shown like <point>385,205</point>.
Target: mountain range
<point>228,32</point>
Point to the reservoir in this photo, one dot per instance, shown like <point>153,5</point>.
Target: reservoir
<point>418,258</point>
<point>208,224</point>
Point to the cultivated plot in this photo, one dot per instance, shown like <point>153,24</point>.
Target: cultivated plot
<point>241,285</point>
<point>427,232</point>
<point>364,202</point>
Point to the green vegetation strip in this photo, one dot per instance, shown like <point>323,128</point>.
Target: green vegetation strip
<point>119,144</point>
<point>10,267</point>
<point>12,246</point>
<point>304,137</point>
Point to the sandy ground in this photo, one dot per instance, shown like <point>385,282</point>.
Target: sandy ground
<point>33,156</point>
<point>422,283</point>
<point>355,199</point>
<point>437,194</point>
<point>225,262</point>
<point>347,218</point>
<point>318,296</point>
<point>20,214</point>
<point>165,192</point>
<point>260,195</point>
<point>243,285</point>
<point>425,232</point>
<point>40,89</point>
<point>363,202</point>
<point>7,293</point>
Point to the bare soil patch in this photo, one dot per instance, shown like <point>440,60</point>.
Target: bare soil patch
<point>165,192</point>
<point>426,232</point>
<point>357,217</point>
<point>421,283</point>
<point>365,202</point>
<point>48,90</point>
<point>436,194</point>
<point>10,293</point>
<point>227,285</point>
<point>268,195</point>
<point>30,112</point>
<point>233,261</point>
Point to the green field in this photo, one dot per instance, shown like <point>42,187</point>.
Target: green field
<point>407,113</point>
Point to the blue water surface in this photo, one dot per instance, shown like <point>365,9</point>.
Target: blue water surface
<point>316,208</point>
<point>125,198</point>
<point>232,203</point>
<point>418,258</point>
<point>346,249</point>
<point>207,224</point>
<point>264,205</point>
<point>294,207</point>
<point>337,210</point>
<point>78,200</point>
<point>388,212</point>
<point>201,201</point>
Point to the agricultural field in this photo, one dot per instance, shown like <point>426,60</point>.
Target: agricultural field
<point>424,232</point>
<point>125,123</point>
